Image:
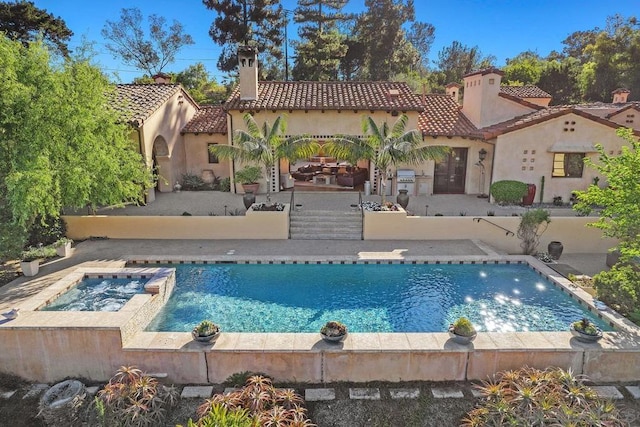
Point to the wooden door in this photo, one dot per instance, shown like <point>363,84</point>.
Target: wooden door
<point>451,172</point>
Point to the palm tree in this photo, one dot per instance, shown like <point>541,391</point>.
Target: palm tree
<point>385,146</point>
<point>266,146</point>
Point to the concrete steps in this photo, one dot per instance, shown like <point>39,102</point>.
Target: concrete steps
<point>325,225</point>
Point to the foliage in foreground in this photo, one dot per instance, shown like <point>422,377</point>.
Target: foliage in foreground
<point>619,288</point>
<point>61,143</point>
<point>508,191</point>
<point>257,403</point>
<point>531,397</point>
<point>532,224</point>
<point>132,398</point>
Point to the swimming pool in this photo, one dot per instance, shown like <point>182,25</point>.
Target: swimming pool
<point>97,294</point>
<point>367,297</point>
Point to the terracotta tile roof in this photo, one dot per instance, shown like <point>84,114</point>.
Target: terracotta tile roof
<point>442,117</point>
<point>528,91</point>
<point>327,96</point>
<point>208,119</point>
<point>536,117</point>
<point>486,71</point>
<point>137,102</point>
<point>521,101</point>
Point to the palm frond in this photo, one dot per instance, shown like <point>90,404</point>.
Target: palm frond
<point>252,126</point>
<point>399,126</point>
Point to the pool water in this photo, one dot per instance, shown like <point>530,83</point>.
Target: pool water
<point>97,295</point>
<point>367,298</point>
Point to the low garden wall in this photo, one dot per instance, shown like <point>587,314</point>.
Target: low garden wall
<point>254,225</point>
<point>573,232</point>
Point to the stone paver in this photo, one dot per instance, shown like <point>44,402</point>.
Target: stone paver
<point>634,390</point>
<point>442,393</point>
<point>7,394</point>
<point>404,393</point>
<point>92,390</point>
<point>475,392</point>
<point>35,390</point>
<point>364,393</point>
<point>318,394</point>
<point>200,392</point>
<point>608,391</point>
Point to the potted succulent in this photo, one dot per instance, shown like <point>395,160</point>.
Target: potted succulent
<point>30,260</point>
<point>585,330</point>
<point>206,332</point>
<point>462,331</point>
<point>333,331</point>
<point>63,247</point>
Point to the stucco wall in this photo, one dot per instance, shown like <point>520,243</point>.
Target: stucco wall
<point>167,122</point>
<point>629,118</point>
<point>197,155</point>
<point>575,236</point>
<point>254,225</point>
<point>514,151</point>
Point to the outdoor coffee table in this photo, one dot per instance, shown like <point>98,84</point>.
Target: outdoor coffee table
<point>328,179</point>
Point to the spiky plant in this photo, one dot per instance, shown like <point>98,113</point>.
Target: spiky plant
<point>532,397</point>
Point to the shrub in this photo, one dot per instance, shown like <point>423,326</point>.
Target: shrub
<point>532,224</point>
<point>46,231</point>
<point>510,192</point>
<point>40,252</point>
<point>530,397</point>
<point>224,185</point>
<point>248,175</point>
<point>191,182</point>
<point>619,288</point>
<point>132,398</point>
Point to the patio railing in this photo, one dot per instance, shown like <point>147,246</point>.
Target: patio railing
<point>508,232</point>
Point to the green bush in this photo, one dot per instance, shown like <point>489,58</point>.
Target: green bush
<point>248,175</point>
<point>619,288</point>
<point>191,182</point>
<point>39,252</point>
<point>508,191</point>
<point>224,185</point>
<point>46,231</point>
<point>530,397</point>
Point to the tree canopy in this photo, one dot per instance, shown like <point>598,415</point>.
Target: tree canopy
<point>57,154</point>
<point>23,21</point>
<point>147,52</point>
<point>258,23</point>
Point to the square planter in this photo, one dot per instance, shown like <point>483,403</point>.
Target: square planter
<point>64,250</point>
<point>30,268</point>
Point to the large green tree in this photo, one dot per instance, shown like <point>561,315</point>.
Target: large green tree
<point>60,141</point>
<point>321,45</point>
<point>266,145</point>
<point>456,60</point>
<point>23,21</point>
<point>385,146</point>
<point>525,68</point>
<point>200,85</point>
<point>259,23</point>
<point>147,52</point>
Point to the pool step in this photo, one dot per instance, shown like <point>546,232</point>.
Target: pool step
<point>325,225</point>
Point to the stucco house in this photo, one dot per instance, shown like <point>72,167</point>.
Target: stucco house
<point>495,132</point>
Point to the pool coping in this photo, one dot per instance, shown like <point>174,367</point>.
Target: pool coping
<point>321,361</point>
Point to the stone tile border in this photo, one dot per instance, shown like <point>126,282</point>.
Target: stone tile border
<point>364,393</point>
<point>608,392</point>
<point>197,392</point>
<point>634,391</point>
<point>448,392</point>
<point>7,394</point>
<point>404,393</point>
<point>319,394</point>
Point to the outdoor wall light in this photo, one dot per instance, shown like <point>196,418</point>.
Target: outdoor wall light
<point>482,154</point>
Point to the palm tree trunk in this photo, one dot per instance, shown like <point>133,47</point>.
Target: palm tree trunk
<point>383,183</point>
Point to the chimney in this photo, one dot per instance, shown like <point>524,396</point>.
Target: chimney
<point>248,71</point>
<point>453,90</point>
<point>620,95</point>
<point>481,97</point>
<point>162,78</point>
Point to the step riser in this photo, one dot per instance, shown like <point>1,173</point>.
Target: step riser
<point>324,225</point>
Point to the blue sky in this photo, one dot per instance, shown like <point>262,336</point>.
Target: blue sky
<point>502,28</point>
